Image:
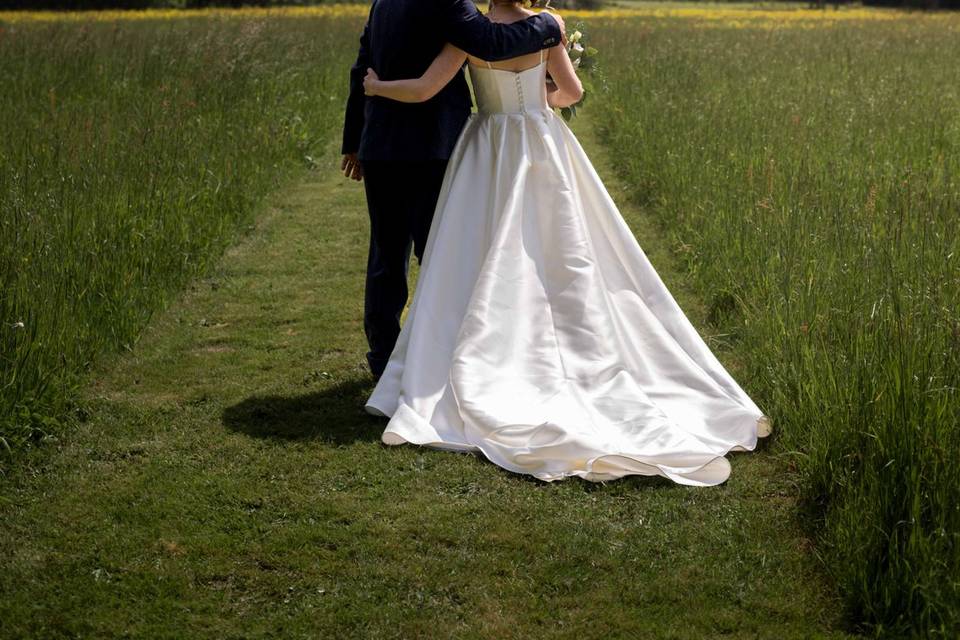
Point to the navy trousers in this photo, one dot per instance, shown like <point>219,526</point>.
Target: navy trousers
<point>401,198</point>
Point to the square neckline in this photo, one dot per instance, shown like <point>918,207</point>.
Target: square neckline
<point>513,71</point>
<point>536,66</point>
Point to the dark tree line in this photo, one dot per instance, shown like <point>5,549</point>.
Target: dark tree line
<point>83,5</point>
<point>921,4</point>
<point>79,5</point>
<point>906,4</point>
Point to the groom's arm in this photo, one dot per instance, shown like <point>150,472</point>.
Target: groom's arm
<point>471,31</point>
<point>353,119</point>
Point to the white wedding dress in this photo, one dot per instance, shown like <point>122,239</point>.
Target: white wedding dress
<point>539,334</point>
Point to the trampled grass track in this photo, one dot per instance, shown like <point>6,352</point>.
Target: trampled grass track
<point>228,484</point>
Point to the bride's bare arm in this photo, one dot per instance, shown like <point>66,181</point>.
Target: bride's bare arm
<point>446,65</point>
<point>569,89</point>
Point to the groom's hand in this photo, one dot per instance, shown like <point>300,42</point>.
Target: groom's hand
<point>563,27</point>
<point>351,167</point>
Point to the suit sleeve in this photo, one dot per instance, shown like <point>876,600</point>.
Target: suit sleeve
<point>470,30</point>
<point>353,120</point>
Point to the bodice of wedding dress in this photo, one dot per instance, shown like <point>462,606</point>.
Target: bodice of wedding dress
<point>504,91</point>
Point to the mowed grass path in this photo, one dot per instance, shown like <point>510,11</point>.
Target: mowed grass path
<point>228,484</point>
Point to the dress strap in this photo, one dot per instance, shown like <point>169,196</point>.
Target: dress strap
<point>541,56</point>
<point>489,66</point>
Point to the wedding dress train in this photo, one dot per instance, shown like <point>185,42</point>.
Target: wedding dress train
<point>539,334</point>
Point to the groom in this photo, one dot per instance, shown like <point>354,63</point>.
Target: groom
<point>401,150</point>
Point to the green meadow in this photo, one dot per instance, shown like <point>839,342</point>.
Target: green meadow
<point>183,451</point>
<point>131,154</point>
<point>810,182</point>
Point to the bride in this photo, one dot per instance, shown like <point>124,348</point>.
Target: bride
<point>539,334</point>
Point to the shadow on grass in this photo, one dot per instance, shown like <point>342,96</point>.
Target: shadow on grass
<point>334,415</point>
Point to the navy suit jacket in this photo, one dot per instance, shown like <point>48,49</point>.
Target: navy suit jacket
<point>400,40</point>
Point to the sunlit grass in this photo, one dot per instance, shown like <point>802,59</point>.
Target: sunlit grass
<point>811,181</point>
<point>804,164</point>
<point>131,154</point>
<point>228,484</point>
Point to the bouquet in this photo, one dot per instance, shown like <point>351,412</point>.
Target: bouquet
<point>583,57</point>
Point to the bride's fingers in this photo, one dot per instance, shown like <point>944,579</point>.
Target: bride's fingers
<point>370,77</point>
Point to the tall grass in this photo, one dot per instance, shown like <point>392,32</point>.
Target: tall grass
<point>811,181</point>
<point>131,153</point>
<point>808,177</point>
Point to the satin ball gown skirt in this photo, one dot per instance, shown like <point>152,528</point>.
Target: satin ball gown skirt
<point>541,336</point>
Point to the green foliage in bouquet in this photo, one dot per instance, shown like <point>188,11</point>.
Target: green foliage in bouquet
<point>582,55</point>
<point>584,58</point>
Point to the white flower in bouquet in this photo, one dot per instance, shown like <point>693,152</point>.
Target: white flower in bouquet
<point>583,58</point>
<point>581,55</point>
